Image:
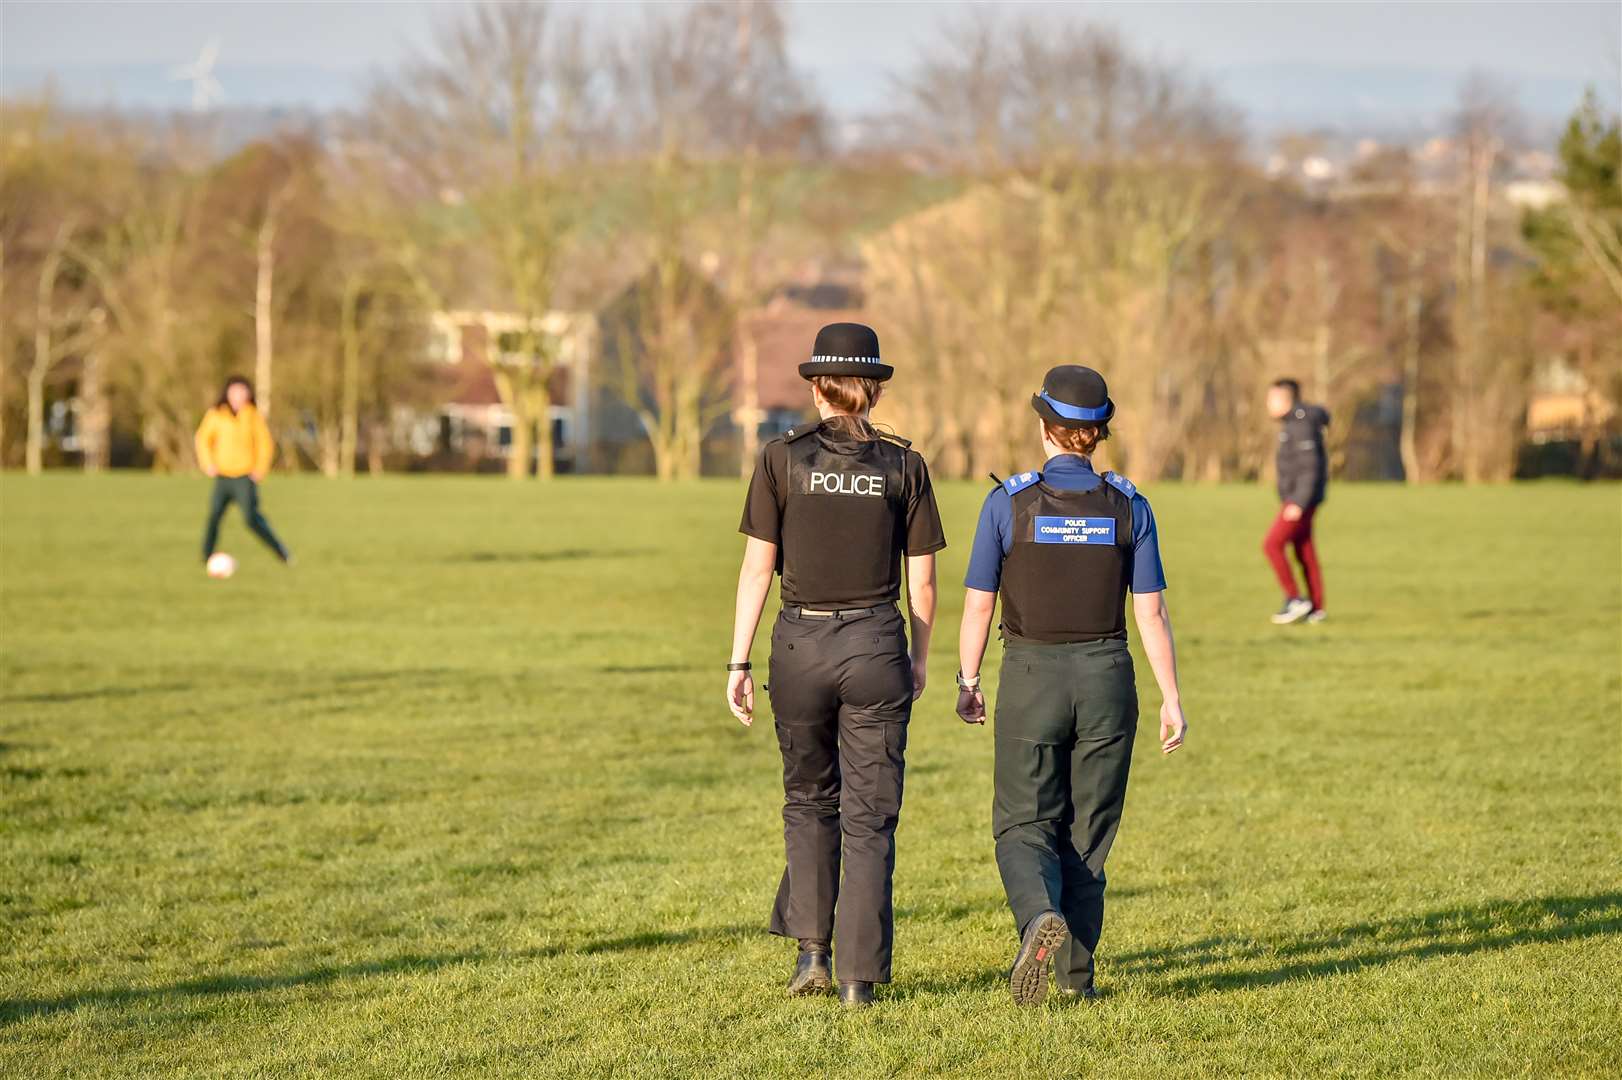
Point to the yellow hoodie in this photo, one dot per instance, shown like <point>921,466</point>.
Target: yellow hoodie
<point>236,444</point>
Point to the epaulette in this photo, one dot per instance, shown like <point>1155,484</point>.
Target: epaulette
<point>1020,481</point>
<point>799,432</point>
<point>892,437</point>
<point>1120,483</point>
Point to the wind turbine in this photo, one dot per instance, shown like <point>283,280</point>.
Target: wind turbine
<point>205,88</point>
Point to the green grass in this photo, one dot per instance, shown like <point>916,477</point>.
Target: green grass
<point>458,795</point>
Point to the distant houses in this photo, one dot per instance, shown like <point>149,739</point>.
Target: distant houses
<point>593,427</point>
<point>471,427</point>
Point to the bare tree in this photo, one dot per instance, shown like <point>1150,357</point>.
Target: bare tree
<point>265,208</point>
<point>758,25</point>
<point>1412,307</point>
<point>1414,232</point>
<point>701,94</point>
<point>488,126</point>
<point>1094,181</point>
<point>43,166</point>
<point>264,295</point>
<point>49,319</point>
<point>1484,124</point>
<point>145,263</point>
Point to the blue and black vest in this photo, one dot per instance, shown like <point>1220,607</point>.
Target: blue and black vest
<point>1066,574</point>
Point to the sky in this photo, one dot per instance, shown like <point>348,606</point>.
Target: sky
<point>1289,62</point>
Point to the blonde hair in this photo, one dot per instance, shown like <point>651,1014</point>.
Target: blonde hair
<point>853,396</point>
<point>1076,440</point>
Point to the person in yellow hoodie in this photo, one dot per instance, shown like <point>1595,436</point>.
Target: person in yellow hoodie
<point>235,448</point>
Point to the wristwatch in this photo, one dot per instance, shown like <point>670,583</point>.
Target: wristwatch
<point>744,666</point>
<point>967,684</point>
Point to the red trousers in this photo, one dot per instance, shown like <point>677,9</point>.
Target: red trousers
<point>1298,534</point>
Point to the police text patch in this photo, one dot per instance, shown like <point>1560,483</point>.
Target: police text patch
<point>1075,530</point>
<point>832,483</point>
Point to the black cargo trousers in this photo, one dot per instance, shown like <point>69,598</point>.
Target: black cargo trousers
<point>1066,717</point>
<point>841,691</point>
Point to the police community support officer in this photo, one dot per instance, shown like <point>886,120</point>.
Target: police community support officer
<point>1063,546</point>
<point>832,507</point>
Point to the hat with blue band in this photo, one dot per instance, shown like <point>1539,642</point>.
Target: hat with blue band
<point>846,349</point>
<point>1072,396</point>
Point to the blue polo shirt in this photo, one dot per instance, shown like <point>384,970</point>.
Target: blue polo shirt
<point>994,536</point>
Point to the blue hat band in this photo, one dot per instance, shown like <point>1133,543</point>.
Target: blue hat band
<point>1077,412</point>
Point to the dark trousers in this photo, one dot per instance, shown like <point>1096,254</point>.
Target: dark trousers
<point>245,493</point>
<point>1296,534</point>
<point>1066,717</point>
<point>841,690</point>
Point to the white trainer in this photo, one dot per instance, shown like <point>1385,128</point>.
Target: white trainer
<point>1294,610</point>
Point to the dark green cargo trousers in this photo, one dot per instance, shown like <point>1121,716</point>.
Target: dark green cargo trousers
<point>1066,716</point>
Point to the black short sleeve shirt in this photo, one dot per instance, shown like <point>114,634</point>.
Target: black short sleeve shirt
<point>831,548</point>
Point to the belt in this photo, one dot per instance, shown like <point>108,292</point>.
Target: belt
<point>1113,640</point>
<point>828,613</point>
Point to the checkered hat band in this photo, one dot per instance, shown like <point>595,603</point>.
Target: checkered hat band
<point>846,360</point>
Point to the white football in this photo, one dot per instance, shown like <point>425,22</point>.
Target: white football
<point>221,565</point>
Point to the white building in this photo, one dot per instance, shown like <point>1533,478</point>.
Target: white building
<point>472,422</point>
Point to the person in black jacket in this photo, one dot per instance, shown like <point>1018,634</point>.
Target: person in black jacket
<point>1303,477</point>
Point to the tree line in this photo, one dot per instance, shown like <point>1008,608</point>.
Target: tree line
<point>1043,194</point>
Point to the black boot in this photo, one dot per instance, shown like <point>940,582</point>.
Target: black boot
<point>812,973</point>
<point>855,995</point>
<point>1028,979</point>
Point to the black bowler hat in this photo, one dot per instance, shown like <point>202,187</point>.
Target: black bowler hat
<point>846,348</point>
<point>1073,395</point>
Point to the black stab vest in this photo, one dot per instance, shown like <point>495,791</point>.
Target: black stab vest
<point>844,520</point>
<point>1066,574</point>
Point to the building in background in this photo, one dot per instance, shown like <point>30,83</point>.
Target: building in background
<point>781,334</point>
<point>1572,426</point>
<point>472,427</point>
<point>1564,406</point>
<point>778,334</point>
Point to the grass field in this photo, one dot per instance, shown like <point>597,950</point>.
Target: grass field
<point>458,795</point>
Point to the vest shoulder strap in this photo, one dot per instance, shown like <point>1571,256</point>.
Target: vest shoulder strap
<point>1020,481</point>
<point>797,432</point>
<point>892,437</point>
<point>1120,483</point>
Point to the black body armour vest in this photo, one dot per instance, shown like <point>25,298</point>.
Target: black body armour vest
<point>844,520</point>
<point>1066,573</point>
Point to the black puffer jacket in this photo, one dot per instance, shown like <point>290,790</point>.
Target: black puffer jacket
<point>1303,467</point>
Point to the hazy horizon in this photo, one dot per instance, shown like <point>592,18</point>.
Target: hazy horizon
<point>1377,65</point>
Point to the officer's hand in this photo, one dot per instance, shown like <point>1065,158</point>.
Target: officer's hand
<point>971,706</point>
<point>1292,512</point>
<point>210,471</point>
<point>919,676</point>
<point>741,696</point>
<point>1173,726</point>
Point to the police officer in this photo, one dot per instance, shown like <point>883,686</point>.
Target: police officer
<point>832,507</point>
<point>1063,546</point>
